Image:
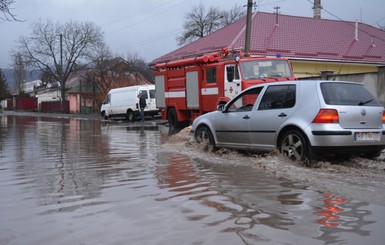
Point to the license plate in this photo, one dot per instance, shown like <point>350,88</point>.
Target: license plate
<point>367,136</point>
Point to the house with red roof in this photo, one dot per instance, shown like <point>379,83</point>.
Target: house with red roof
<point>312,45</point>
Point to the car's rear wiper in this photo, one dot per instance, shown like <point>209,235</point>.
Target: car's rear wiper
<point>364,103</point>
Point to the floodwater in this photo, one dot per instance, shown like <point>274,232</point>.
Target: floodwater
<point>71,181</point>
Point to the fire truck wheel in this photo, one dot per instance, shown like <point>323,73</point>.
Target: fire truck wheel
<point>203,135</point>
<point>173,119</point>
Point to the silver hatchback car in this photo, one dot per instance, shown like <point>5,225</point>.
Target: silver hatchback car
<point>302,119</point>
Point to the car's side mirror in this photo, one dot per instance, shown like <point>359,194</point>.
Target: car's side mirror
<point>220,107</point>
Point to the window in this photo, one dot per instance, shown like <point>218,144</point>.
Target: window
<point>232,73</point>
<point>108,99</point>
<point>211,75</point>
<point>245,101</point>
<point>152,93</point>
<point>258,69</point>
<point>278,97</point>
<point>347,94</point>
<point>143,92</point>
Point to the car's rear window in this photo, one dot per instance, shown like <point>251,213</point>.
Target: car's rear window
<point>347,94</point>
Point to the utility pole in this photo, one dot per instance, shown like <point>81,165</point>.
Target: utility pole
<point>61,72</point>
<point>317,9</point>
<point>61,54</point>
<point>248,26</point>
<point>276,14</point>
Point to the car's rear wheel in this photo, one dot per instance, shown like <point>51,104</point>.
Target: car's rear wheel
<point>204,136</point>
<point>295,147</point>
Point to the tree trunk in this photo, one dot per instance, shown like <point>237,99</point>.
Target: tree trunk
<point>63,97</point>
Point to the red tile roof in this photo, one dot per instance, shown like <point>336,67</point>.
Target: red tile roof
<point>293,37</point>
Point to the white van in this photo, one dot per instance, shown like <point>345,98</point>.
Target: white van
<point>125,102</point>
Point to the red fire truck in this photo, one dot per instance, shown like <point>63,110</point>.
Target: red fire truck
<point>188,88</point>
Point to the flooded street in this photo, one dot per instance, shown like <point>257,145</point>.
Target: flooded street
<point>78,181</point>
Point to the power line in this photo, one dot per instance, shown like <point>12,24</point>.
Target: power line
<point>148,18</point>
<point>161,36</point>
<point>133,15</point>
<point>349,23</point>
<point>150,39</point>
<point>378,21</point>
<point>168,34</point>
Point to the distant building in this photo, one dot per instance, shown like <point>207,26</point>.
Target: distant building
<point>29,87</point>
<point>84,96</point>
<point>312,45</point>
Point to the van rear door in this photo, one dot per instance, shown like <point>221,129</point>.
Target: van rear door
<point>151,102</point>
<point>149,95</point>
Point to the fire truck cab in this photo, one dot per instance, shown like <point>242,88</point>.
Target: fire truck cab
<point>186,89</point>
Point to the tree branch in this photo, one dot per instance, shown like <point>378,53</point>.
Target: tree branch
<point>5,9</point>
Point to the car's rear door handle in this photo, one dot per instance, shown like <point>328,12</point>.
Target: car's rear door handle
<point>246,117</point>
<point>282,115</point>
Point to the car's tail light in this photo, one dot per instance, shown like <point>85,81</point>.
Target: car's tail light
<point>383,117</point>
<point>327,116</point>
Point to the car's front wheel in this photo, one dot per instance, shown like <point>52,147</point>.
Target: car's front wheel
<point>204,136</point>
<point>294,146</point>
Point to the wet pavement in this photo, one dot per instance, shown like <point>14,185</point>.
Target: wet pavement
<point>75,179</point>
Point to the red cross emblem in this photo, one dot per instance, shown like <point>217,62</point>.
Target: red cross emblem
<point>231,90</point>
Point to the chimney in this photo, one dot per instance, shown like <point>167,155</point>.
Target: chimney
<point>317,9</point>
<point>356,31</point>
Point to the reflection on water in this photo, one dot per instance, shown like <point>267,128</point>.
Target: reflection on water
<point>67,181</point>
<point>331,210</point>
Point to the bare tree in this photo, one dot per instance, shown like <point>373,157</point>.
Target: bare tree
<point>61,49</point>
<point>116,72</point>
<point>233,15</point>
<point>18,72</point>
<point>140,67</point>
<point>200,23</point>
<point>5,9</point>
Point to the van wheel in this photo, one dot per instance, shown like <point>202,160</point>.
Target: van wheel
<point>173,119</point>
<point>130,116</point>
<point>104,115</point>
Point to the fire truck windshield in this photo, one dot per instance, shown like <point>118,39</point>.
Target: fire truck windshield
<point>258,69</point>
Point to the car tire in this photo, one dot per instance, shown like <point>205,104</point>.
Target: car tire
<point>203,135</point>
<point>294,146</point>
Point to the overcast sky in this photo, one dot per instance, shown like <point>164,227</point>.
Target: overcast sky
<point>149,27</point>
